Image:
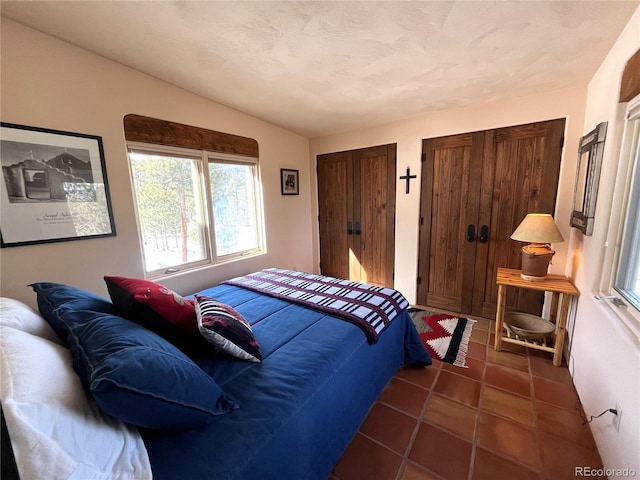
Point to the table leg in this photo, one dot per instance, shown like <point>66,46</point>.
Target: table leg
<point>553,311</point>
<point>502,298</point>
<point>561,331</point>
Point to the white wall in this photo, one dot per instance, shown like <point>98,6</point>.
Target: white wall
<point>605,358</point>
<point>52,84</point>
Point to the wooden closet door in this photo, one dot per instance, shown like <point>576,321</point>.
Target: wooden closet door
<point>490,178</point>
<point>520,176</point>
<point>335,211</point>
<point>356,193</point>
<point>375,200</point>
<point>450,190</point>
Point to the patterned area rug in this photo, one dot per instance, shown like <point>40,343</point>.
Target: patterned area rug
<point>446,337</point>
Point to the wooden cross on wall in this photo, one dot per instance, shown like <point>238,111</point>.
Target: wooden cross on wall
<point>408,178</point>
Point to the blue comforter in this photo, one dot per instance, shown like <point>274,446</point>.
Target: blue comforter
<point>300,407</point>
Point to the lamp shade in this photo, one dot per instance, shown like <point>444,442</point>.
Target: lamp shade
<point>537,228</point>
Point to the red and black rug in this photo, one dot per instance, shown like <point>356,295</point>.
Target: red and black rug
<point>446,337</point>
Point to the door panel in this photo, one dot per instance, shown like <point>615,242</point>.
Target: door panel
<point>335,203</point>
<point>447,262</point>
<point>527,167</point>
<point>376,168</point>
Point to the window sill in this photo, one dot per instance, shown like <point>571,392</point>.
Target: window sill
<point>621,316</point>
<point>155,276</point>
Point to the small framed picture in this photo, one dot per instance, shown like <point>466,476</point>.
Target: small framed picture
<point>53,188</point>
<point>289,182</point>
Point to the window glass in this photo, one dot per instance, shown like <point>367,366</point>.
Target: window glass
<point>169,205</point>
<point>234,207</point>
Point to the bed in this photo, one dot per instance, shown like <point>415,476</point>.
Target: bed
<point>288,415</point>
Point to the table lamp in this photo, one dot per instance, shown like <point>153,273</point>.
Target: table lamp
<point>539,230</point>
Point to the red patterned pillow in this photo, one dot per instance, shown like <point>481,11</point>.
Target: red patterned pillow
<point>221,325</point>
<point>157,308</point>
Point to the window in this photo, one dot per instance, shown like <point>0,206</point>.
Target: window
<point>194,208</point>
<point>627,280</point>
<point>621,274</point>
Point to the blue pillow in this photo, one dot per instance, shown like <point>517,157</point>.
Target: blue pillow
<point>55,295</point>
<point>132,373</point>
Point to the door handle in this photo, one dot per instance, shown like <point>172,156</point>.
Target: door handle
<point>484,233</point>
<point>349,228</point>
<point>357,230</point>
<point>471,233</point>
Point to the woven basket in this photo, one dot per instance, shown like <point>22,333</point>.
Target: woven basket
<point>528,326</point>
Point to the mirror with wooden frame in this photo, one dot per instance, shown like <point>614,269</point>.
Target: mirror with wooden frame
<point>585,191</point>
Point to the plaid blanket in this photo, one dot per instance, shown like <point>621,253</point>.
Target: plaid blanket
<point>369,307</point>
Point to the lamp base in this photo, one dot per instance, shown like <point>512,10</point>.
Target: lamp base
<point>535,262</point>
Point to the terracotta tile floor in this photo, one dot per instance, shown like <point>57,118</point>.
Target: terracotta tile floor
<point>510,415</point>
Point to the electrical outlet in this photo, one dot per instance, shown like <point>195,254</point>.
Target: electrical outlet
<point>617,417</point>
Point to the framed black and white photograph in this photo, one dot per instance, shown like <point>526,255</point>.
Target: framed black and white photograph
<point>289,182</point>
<point>54,186</point>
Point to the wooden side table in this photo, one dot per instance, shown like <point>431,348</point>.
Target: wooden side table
<point>562,289</point>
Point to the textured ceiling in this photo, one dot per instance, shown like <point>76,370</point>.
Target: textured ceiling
<point>318,68</point>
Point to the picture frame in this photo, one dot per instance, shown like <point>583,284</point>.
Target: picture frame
<point>289,182</point>
<point>54,187</point>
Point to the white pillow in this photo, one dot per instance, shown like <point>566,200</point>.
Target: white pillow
<point>15,314</point>
<point>56,430</point>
